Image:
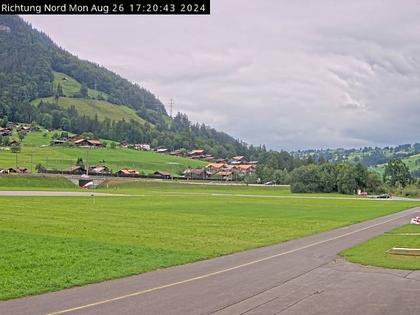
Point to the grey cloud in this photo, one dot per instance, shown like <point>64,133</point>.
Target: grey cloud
<point>290,74</point>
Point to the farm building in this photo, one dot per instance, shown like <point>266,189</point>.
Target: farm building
<point>98,170</point>
<point>76,170</point>
<point>142,147</point>
<point>197,173</point>
<point>5,132</point>
<point>162,175</point>
<point>240,159</point>
<point>215,166</point>
<point>196,154</point>
<point>208,158</point>
<point>245,168</point>
<point>226,175</point>
<point>162,150</point>
<point>88,143</point>
<point>58,142</point>
<point>127,172</point>
<point>179,152</point>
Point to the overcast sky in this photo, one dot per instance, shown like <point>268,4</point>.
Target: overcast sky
<point>290,74</point>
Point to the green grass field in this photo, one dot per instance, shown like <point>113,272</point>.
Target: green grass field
<point>71,86</point>
<point>61,158</point>
<point>51,243</point>
<point>185,187</point>
<point>375,251</point>
<point>19,182</point>
<point>91,107</point>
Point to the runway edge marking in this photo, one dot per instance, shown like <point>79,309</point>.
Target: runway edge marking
<point>224,270</point>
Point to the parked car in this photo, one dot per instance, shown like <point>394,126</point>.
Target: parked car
<point>269,183</point>
<point>384,196</point>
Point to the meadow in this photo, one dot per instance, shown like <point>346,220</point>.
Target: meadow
<point>35,150</point>
<point>99,108</point>
<point>91,106</point>
<point>51,243</point>
<point>375,251</point>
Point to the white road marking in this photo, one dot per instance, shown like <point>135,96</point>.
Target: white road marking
<point>221,271</point>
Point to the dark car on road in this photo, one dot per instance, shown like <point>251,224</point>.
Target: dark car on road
<point>384,196</point>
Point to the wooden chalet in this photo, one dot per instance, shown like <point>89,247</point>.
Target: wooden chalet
<point>88,143</point>
<point>197,173</point>
<point>126,172</point>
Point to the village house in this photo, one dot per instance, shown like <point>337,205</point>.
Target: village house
<point>75,170</point>
<point>196,154</point>
<point>208,158</point>
<point>126,172</point>
<point>216,166</point>
<point>162,175</point>
<point>99,170</point>
<point>124,144</point>
<point>179,152</point>
<point>142,147</point>
<point>225,175</point>
<point>237,160</point>
<point>5,132</point>
<point>56,142</point>
<point>245,168</point>
<point>197,173</point>
<point>86,143</point>
<point>162,150</point>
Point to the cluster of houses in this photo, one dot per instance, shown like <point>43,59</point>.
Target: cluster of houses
<point>136,146</point>
<point>8,130</point>
<point>222,169</point>
<point>232,169</point>
<point>105,171</point>
<point>78,141</point>
<point>198,154</point>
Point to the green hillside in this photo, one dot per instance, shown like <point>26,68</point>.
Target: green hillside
<point>88,106</point>
<point>92,107</point>
<point>32,68</point>
<point>413,163</point>
<point>71,86</point>
<point>34,151</point>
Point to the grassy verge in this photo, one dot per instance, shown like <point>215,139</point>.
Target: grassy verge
<point>375,251</point>
<point>18,182</point>
<point>51,243</point>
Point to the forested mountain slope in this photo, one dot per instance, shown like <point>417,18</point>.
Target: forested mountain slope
<point>29,65</point>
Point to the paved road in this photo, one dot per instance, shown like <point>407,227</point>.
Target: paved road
<point>302,276</point>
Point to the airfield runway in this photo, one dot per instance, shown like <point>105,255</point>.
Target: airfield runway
<point>302,276</point>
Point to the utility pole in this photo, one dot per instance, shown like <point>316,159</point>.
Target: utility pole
<point>87,161</point>
<point>171,106</point>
